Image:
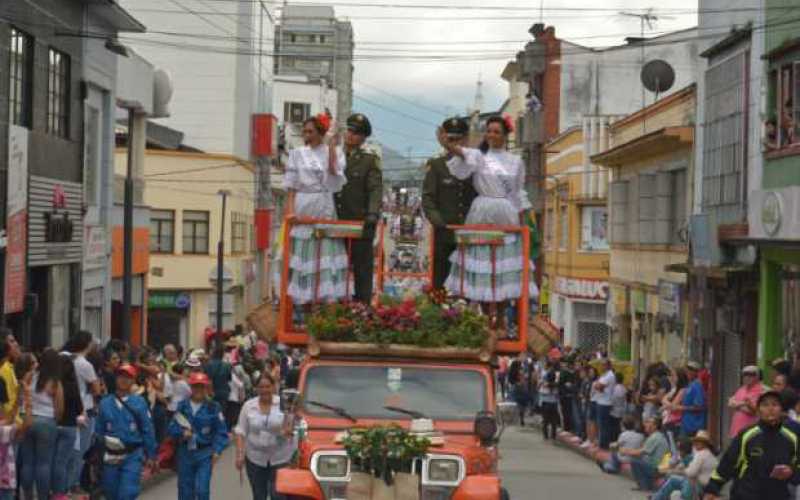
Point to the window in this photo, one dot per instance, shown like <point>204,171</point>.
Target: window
<point>787,103</point>
<point>238,232</point>
<point>619,212</point>
<point>322,39</point>
<point>563,226</point>
<point>162,231</point>
<point>724,134</point>
<point>195,231</point>
<point>548,228</point>
<point>594,228</point>
<point>20,90</point>
<point>58,80</point>
<point>296,112</point>
<point>312,38</point>
<point>293,38</point>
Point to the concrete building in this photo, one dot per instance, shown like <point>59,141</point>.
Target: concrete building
<point>311,41</point>
<point>576,250</point>
<point>775,197</point>
<point>651,158</point>
<point>722,272</point>
<point>181,190</point>
<point>295,98</point>
<point>221,66</point>
<point>54,81</point>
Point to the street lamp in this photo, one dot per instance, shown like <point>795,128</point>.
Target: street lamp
<point>220,265</point>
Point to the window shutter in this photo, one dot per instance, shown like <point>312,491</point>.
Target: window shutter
<point>647,208</point>
<point>663,206</point>
<point>619,212</point>
<point>679,199</point>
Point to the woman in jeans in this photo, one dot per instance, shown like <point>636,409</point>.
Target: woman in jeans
<point>264,441</point>
<point>47,404</point>
<point>68,458</point>
<point>590,395</point>
<point>670,405</point>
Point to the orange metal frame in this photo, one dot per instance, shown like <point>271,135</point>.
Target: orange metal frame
<point>285,332</point>
<point>287,335</point>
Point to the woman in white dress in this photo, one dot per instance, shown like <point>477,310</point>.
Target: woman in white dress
<point>499,179</point>
<point>318,266</point>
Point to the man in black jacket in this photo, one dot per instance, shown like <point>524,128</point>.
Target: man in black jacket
<point>762,460</point>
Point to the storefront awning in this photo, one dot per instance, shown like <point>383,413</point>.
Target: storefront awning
<point>656,143</point>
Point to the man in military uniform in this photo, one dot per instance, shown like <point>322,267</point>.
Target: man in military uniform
<point>446,200</point>
<point>360,199</point>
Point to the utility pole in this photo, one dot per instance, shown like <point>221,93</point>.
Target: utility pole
<point>221,266</point>
<point>127,230</point>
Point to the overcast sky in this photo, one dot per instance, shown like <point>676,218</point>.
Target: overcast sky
<point>440,87</point>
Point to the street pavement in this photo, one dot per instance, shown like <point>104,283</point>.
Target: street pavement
<point>531,470</point>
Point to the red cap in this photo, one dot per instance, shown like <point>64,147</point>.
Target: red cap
<point>127,369</point>
<point>199,379</point>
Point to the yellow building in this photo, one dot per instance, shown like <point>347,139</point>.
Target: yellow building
<point>575,277</point>
<point>650,155</point>
<point>181,189</point>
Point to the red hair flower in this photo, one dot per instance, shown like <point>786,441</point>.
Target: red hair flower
<point>324,121</point>
<point>509,122</point>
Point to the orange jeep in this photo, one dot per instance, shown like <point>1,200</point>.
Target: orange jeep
<point>340,393</point>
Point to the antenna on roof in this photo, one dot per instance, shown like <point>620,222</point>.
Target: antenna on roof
<point>647,17</point>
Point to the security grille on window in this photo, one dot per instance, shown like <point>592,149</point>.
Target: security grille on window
<point>162,231</point>
<point>58,80</point>
<point>20,89</point>
<point>619,212</point>
<point>563,228</point>
<point>296,112</point>
<point>195,232</point>
<point>724,133</point>
<point>238,232</point>
<point>786,88</point>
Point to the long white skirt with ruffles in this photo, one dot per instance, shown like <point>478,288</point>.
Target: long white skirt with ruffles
<point>472,274</point>
<point>318,267</point>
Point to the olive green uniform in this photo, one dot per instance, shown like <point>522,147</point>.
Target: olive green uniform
<point>446,200</point>
<point>360,199</point>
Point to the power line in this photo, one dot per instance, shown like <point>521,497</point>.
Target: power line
<point>193,170</point>
<point>397,112</point>
<point>402,99</point>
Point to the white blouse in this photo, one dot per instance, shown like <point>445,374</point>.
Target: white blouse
<point>265,445</point>
<point>307,170</point>
<point>499,179</point>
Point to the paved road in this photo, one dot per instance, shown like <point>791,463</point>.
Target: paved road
<point>531,470</point>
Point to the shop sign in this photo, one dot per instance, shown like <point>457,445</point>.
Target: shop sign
<point>771,212</point>
<point>55,210</point>
<point>16,220</point>
<point>169,300</point>
<point>669,298</point>
<point>585,289</point>
<point>94,252</point>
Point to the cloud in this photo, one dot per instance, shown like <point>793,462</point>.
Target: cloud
<point>450,85</point>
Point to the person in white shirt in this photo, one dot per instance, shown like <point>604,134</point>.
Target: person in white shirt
<point>89,386</point>
<point>694,477</point>
<point>605,387</point>
<point>264,439</point>
<point>630,438</point>
<point>180,389</point>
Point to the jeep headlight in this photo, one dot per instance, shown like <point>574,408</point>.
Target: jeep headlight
<point>444,470</point>
<point>332,466</point>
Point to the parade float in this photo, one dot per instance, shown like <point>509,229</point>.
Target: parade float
<point>398,396</point>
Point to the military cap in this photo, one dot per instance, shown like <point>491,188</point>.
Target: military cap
<point>359,124</point>
<point>455,127</point>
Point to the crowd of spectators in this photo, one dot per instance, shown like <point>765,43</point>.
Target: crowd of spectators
<point>49,402</point>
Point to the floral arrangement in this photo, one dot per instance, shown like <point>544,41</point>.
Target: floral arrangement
<point>383,451</point>
<point>429,320</point>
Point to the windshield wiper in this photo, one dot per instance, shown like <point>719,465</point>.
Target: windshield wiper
<point>410,413</point>
<point>335,409</point>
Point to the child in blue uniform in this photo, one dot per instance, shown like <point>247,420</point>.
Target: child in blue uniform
<point>124,423</point>
<point>199,427</point>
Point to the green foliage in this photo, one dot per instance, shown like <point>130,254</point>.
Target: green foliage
<point>383,451</point>
<point>424,321</point>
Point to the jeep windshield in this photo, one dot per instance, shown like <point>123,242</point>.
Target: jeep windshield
<point>365,391</point>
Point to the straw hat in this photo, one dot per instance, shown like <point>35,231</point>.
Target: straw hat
<point>703,437</point>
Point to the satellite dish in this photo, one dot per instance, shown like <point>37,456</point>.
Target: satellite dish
<point>658,76</point>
